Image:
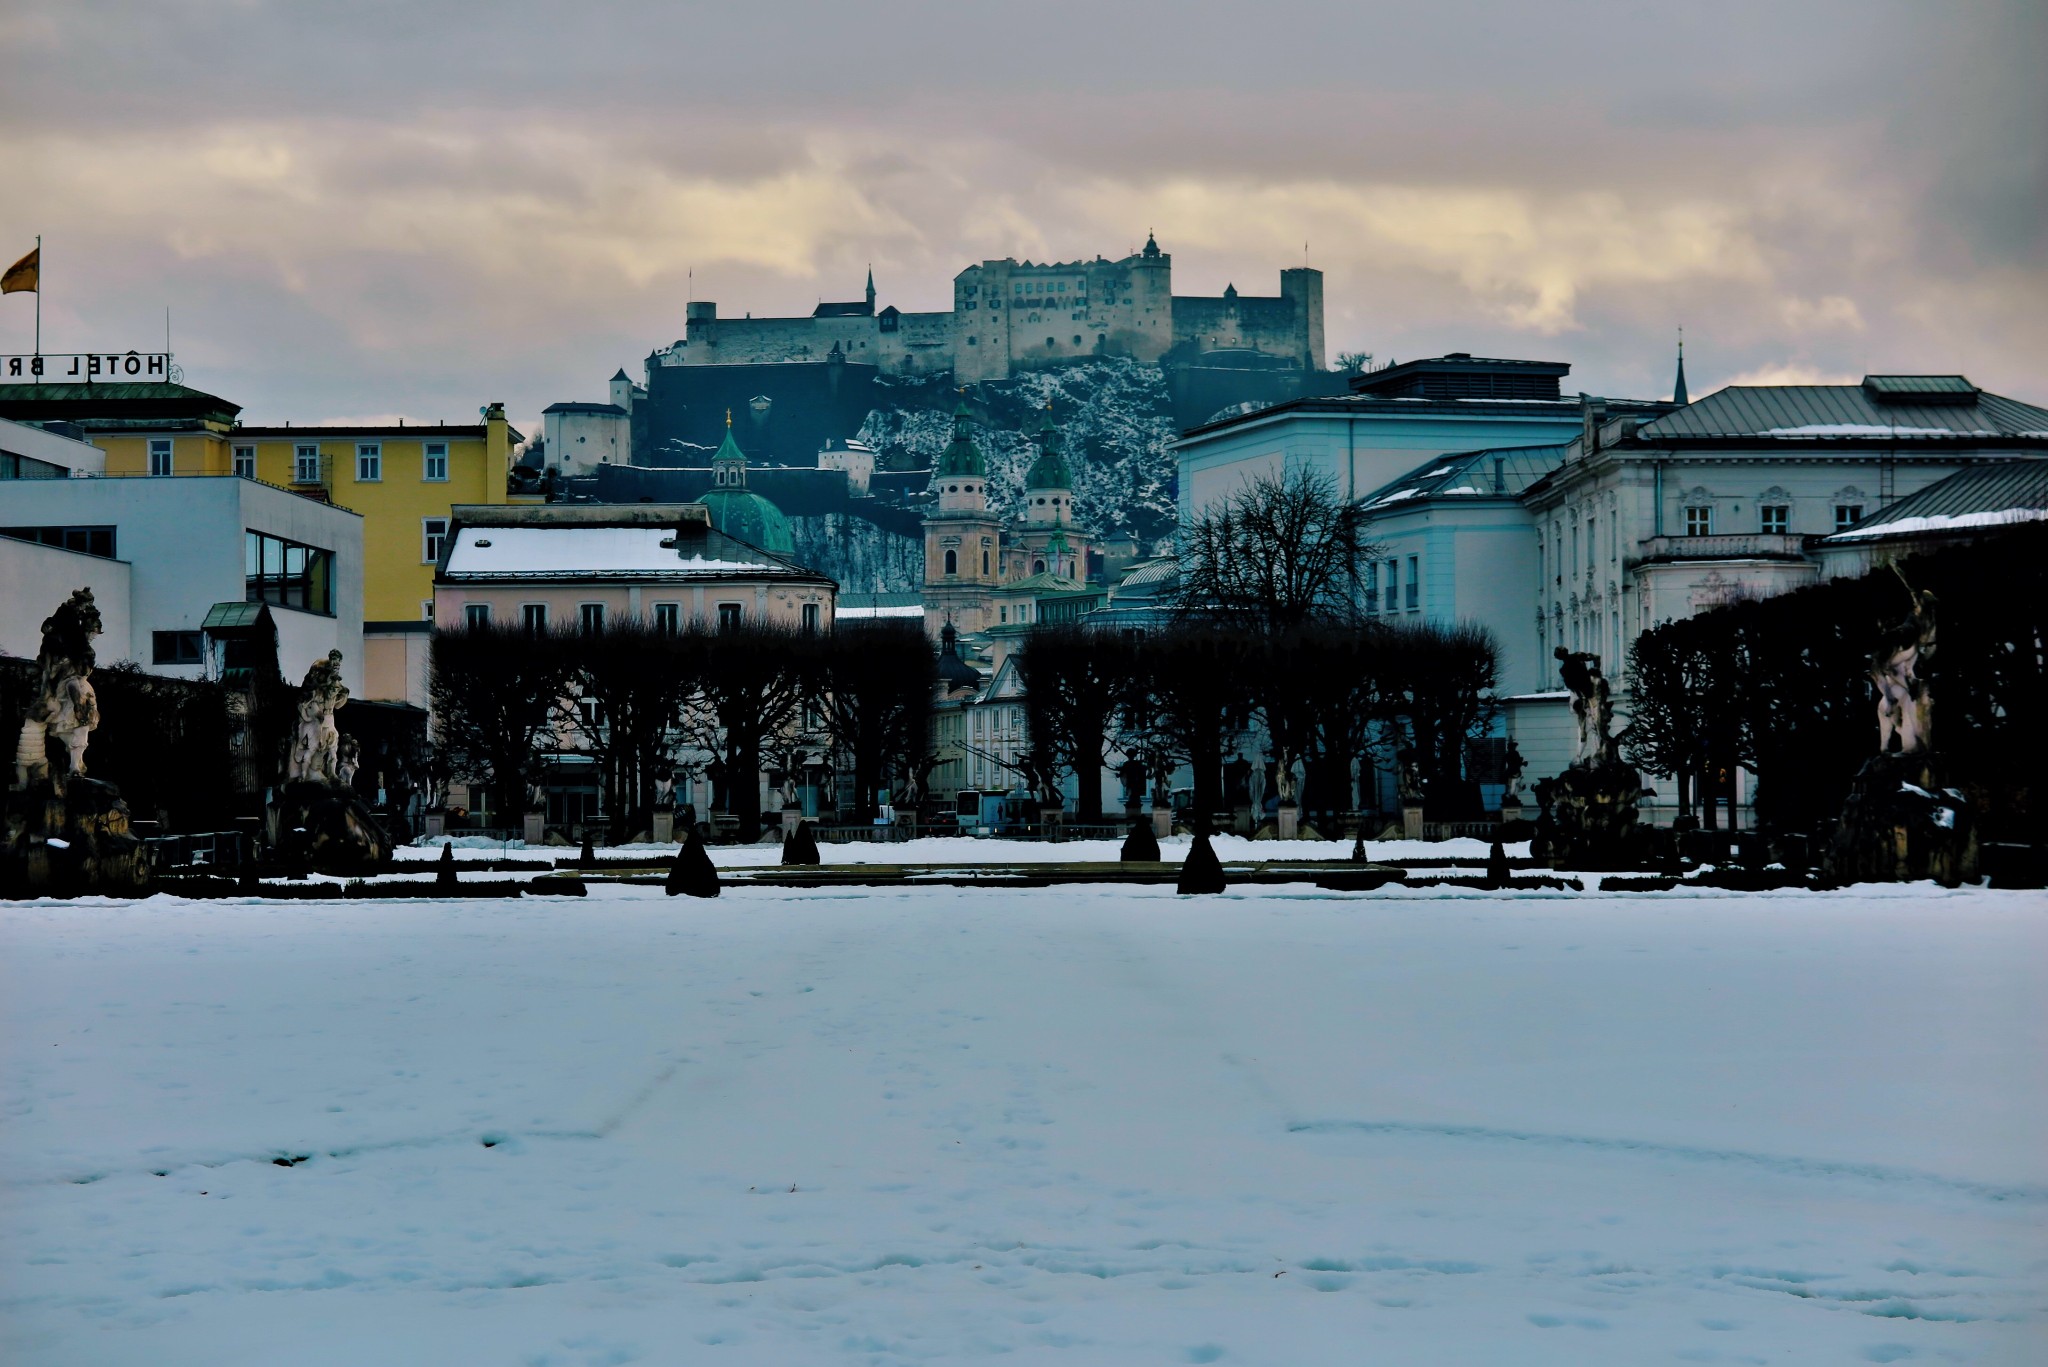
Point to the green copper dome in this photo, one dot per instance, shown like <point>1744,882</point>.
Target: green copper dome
<point>738,511</point>
<point>1050,470</point>
<point>962,456</point>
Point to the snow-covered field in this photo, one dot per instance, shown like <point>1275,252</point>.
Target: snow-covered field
<point>1066,1125</point>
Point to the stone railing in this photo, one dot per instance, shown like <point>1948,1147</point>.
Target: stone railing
<point>1730,546</point>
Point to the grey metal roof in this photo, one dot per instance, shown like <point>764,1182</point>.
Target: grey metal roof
<point>1986,495</point>
<point>1846,412</point>
<point>1468,474</point>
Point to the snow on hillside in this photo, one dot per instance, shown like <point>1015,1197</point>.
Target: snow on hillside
<point>1116,416</point>
<point>1062,1125</point>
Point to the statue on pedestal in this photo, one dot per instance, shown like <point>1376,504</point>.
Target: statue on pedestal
<point>1512,765</point>
<point>1906,816</point>
<point>1588,813</point>
<point>318,818</point>
<point>63,832</point>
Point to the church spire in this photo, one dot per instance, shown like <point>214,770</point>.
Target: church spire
<point>1678,386</point>
<point>729,463</point>
<point>871,289</point>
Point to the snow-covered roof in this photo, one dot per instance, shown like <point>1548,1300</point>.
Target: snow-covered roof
<point>602,552</point>
<point>1469,474</point>
<point>1996,494</point>
<point>1883,407</point>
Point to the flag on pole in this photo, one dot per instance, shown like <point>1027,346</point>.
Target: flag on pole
<point>25,275</point>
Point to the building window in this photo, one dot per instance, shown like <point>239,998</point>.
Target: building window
<point>812,615</point>
<point>245,462</point>
<point>1393,585</point>
<point>729,615</point>
<point>1777,518</point>
<point>1614,536</point>
<point>1847,515</point>
<point>1372,588</point>
<point>433,535</point>
<point>1414,582</point>
<point>668,618</point>
<point>287,573</point>
<point>175,648</point>
<point>591,619</point>
<point>97,541</point>
<point>426,609</point>
<point>306,465</point>
<point>435,462</point>
<point>952,562</point>
<point>533,617</point>
<point>475,615</point>
<point>1592,536</point>
<point>369,462</point>
<point>160,455</point>
<point>984,562</point>
<point>1699,519</point>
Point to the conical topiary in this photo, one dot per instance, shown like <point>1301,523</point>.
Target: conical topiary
<point>692,874</point>
<point>587,859</point>
<point>444,876</point>
<point>1358,848</point>
<point>1140,846</point>
<point>802,846</point>
<point>1203,871</point>
<point>1497,872</point>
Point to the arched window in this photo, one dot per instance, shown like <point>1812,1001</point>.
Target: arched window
<point>984,562</point>
<point>1038,567</point>
<point>952,562</point>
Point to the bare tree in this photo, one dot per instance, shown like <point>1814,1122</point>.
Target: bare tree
<point>639,682</point>
<point>1281,553</point>
<point>1074,679</point>
<point>1440,681</point>
<point>495,690</point>
<point>756,678</point>
<point>877,701</point>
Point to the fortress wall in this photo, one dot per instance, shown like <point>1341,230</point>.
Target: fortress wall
<point>752,341</point>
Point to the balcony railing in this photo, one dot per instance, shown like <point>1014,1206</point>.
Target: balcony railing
<point>1730,546</point>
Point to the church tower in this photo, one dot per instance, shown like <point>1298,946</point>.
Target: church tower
<point>962,538</point>
<point>1048,540</point>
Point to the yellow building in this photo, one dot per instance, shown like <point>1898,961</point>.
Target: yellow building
<point>402,479</point>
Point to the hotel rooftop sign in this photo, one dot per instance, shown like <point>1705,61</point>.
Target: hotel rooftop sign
<point>125,367</point>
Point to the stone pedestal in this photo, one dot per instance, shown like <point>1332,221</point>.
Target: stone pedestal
<point>1411,823</point>
<point>533,827</point>
<point>1588,818</point>
<point>1510,810</point>
<point>437,825</point>
<point>79,843</point>
<point>1287,822</point>
<point>664,826</point>
<point>1162,822</point>
<point>1906,818</point>
<point>329,828</point>
<point>1241,822</point>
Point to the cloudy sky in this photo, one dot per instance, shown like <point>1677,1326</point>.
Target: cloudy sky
<point>357,210</point>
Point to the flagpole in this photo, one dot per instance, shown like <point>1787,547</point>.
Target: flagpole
<point>39,294</point>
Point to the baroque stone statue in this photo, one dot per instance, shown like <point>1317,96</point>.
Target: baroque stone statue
<point>65,708</point>
<point>1591,705</point>
<point>1905,702</point>
<point>316,745</point>
<point>1512,766</point>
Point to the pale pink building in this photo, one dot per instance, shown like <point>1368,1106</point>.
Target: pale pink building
<point>591,565</point>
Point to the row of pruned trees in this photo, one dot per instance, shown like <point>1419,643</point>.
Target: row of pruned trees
<point>1331,702</point>
<point>1268,630</point>
<point>642,702</point>
<point>1782,687</point>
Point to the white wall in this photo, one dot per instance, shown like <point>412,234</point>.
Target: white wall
<point>577,443</point>
<point>35,580</point>
<point>183,538</point>
<point>22,439</point>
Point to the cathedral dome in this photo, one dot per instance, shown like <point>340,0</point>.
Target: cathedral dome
<point>751,518</point>
<point>738,511</point>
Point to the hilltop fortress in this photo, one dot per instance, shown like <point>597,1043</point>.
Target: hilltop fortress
<point>1009,316</point>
